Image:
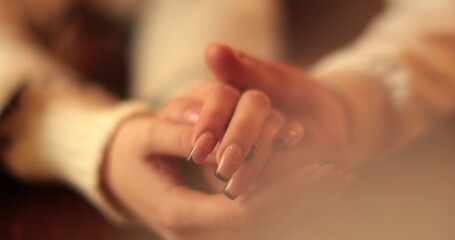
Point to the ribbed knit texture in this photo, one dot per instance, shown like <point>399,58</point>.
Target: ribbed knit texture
<point>397,78</point>
<point>61,135</point>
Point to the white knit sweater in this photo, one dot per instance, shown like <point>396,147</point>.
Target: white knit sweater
<point>400,71</point>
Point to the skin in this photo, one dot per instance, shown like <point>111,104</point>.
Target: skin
<point>297,95</point>
<point>150,185</point>
<point>234,119</point>
<point>147,172</point>
<point>300,99</point>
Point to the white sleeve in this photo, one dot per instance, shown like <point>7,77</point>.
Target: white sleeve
<point>398,78</point>
<point>60,129</point>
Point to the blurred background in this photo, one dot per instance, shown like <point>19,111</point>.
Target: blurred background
<point>410,195</point>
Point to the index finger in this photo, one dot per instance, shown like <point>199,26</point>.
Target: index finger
<point>213,119</point>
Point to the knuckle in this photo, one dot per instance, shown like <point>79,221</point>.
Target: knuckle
<point>259,98</point>
<point>245,129</point>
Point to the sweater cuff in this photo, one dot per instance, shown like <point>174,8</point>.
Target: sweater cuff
<point>60,134</point>
<point>374,86</point>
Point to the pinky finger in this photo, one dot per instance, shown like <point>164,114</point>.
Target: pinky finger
<point>292,134</point>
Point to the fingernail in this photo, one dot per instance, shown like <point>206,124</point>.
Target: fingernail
<point>229,195</point>
<point>191,115</point>
<point>190,159</point>
<point>292,134</point>
<point>321,174</point>
<point>239,182</point>
<point>229,163</point>
<point>202,148</point>
<point>251,153</point>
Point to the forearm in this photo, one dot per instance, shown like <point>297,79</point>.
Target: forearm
<point>59,129</point>
<point>397,79</point>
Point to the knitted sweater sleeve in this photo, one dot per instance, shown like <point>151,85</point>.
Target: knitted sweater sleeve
<point>398,78</point>
<point>60,128</point>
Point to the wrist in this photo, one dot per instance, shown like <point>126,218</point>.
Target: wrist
<point>365,103</point>
<point>59,134</point>
<point>106,185</point>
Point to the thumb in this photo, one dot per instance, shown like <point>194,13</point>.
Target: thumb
<point>167,138</point>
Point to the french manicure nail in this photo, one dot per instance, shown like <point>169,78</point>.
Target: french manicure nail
<point>239,182</point>
<point>229,163</point>
<point>190,158</point>
<point>202,148</point>
<point>229,195</point>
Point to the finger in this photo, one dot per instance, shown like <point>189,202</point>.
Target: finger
<point>291,134</point>
<point>233,66</point>
<point>252,110</point>
<point>167,138</point>
<point>182,110</point>
<point>215,116</point>
<point>247,173</point>
<point>244,72</point>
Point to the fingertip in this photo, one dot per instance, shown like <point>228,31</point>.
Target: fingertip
<point>221,60</point>
<point>219,53</point>
<point>292,134</point>
<point>228,194</point>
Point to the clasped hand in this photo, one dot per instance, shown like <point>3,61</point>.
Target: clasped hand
<point>265,135</point>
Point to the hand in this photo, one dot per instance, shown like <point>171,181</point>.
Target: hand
<point>302,99</point>
<point>242,124</point>
<point>143,173</point>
